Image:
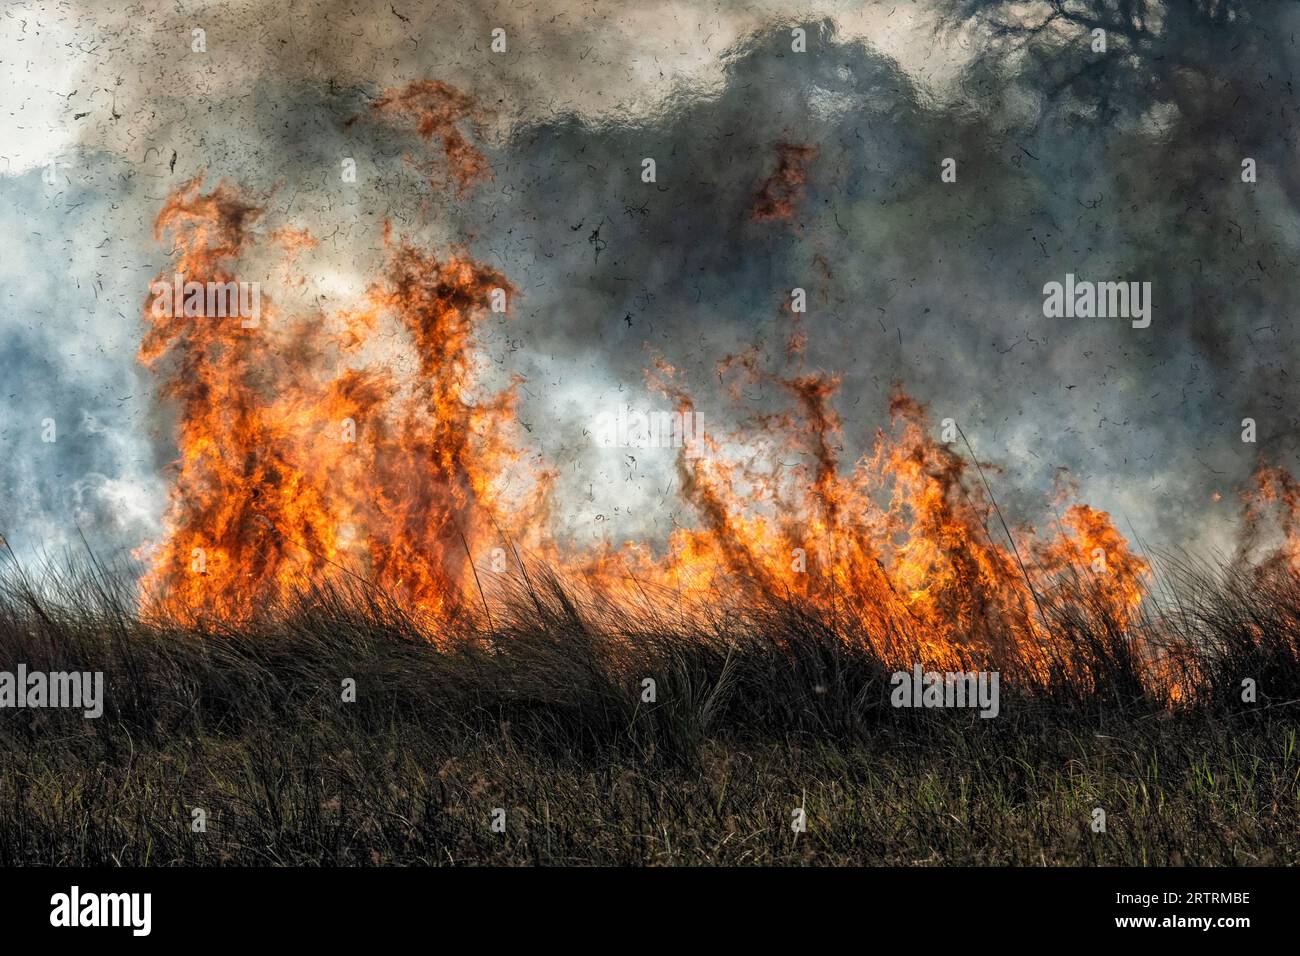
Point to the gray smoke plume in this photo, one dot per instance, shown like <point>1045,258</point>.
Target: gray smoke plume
<point>775,169</point>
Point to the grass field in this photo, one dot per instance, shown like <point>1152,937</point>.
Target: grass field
<point>758,712</point>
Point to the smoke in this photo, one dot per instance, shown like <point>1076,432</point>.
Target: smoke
<point>1124,165</point>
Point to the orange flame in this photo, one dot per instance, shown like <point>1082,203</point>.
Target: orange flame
<point>291,468</point>
<point>903,543</point>
<point>295,464</point>
<point>1275,493</point>
<point>436,109</point>
<point>300,459</point>
<point>781,192</point>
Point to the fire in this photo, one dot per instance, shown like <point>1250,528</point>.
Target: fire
<point>781,192</point>
<point>1275,493</point>
<point>438,110</point>
<point>300,460</point>
<point>294,464</point>
<point>1090,543</point>
<point>904,542</point>
<point>304,456</point>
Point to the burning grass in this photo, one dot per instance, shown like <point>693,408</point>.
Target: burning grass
<point>302,458</point>
<point>761,707</point>
<point>294,559</point>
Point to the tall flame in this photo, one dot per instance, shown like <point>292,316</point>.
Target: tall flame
<point>294,464</point>
<point>300,459</point>
<point>903,542</point>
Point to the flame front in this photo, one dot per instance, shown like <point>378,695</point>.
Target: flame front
<point>302,457</point>
<point>904,544</point>
<point>269,494</point>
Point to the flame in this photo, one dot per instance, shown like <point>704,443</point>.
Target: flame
<point>904,542</point>
<point>436,110</point>
<point>306,452</point>
<point>299,459</point>
<point>294,464</point>
<point>782,191</point>
<point>1274,492</point>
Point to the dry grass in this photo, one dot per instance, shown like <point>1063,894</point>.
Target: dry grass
<point>759,710</point>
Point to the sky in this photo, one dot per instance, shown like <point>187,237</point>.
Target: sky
<point>819,169</point>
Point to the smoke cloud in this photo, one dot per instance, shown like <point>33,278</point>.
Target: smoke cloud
<point>774,170</point>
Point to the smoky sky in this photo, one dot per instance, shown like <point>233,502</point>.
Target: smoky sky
<point>1122,165</point>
